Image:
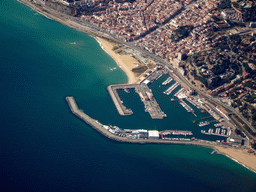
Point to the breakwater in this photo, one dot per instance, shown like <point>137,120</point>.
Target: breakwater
<point>122,110</point>
<point>95,124</point>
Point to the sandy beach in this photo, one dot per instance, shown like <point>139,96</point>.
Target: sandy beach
<point>240,156</point>
<point>125,62</point>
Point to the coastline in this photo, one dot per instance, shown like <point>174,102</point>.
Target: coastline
<point>239,156</point>
<point>125,62</point>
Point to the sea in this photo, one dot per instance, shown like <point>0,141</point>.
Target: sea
<point>44,147</point>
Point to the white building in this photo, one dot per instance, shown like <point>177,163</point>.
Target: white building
<point>153,134</point>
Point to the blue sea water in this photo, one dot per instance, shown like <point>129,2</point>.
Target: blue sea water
<point>44,147</point>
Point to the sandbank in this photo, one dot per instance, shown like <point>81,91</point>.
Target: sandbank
<point>241,156</point>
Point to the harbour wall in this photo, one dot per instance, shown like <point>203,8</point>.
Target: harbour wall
<point>122,110</point>
<point>99,127</point>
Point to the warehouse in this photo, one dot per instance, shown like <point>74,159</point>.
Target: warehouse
<point>153,134</point>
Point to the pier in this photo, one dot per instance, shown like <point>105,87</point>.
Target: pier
<point>112,90</point>
<point>150,103</point>
<point>187,107</point>
<point>170,89</point>
<point>206,117</point>
<point>176,94</point>
<point>168,80</point>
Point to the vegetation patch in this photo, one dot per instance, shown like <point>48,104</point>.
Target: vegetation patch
<point>140,69</point>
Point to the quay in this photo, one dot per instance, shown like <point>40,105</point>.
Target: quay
<point>112,90</point>
<point>109,133</point>
<point>190,100</point>
<point>150,103</point>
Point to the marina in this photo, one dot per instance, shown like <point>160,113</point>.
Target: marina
<point>146,95</point>
<point>218,132</point>
<point>175,132</point>
<point>217,125</point>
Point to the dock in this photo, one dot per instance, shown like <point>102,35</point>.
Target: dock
<point>112,90</point>
<point>187,107</point>
<point>168,80</point>
<point>176,94</point>
<point>150,103</point>
<point>170,89</point>
<point>206,117</point>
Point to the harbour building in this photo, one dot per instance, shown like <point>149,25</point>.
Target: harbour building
<point>153,134</point>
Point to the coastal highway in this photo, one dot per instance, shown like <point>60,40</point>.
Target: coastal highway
<point>92,30</point>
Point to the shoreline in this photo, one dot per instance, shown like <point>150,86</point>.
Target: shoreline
<point>84,29</point>
<point>239,156</point>
<point>124,63</point>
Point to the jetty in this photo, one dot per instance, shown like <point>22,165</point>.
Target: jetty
<point>170,89</point>
<point>168,80</point>
<point>187,107</point>
<point>112,90</point>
